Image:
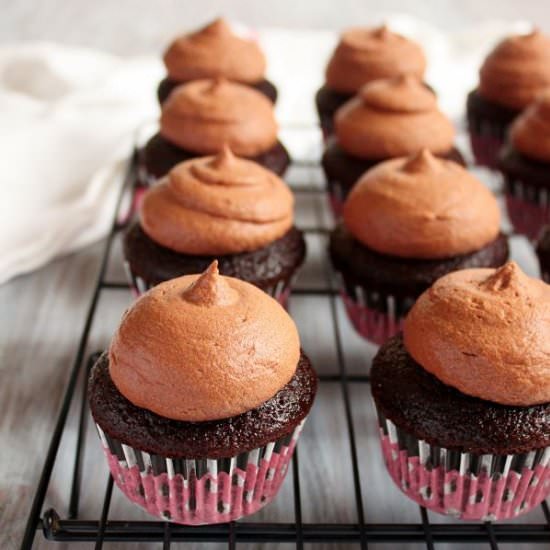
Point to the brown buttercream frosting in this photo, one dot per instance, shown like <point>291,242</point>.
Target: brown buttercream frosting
<point>215,51</point>
<point>204,115</point>
<point>365,54</point>
<point>203,347</point>
<point>217,205</point>
<point>421,207</point>
<point>393,118</point>
<point>517,70</point>
<point>530,132</point>
<point>485,332</point>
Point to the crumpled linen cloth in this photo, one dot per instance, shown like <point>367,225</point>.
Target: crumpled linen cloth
<point>69,116</point>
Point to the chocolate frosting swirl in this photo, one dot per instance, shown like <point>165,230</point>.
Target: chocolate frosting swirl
<point>421,207</point>
<point>530,132</point>
<point>216,206</point>
<point>486,333</point>
<point>204,115</point>
<point>517,70</point>
<point>206,347</point>
<point>365,54</point>
<point>393,118</point>
<point>215,51</point>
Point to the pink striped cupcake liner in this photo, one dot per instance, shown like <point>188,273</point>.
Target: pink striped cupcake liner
<point>486,147</point>
<point>375,324</point>
<point>203,490</point>
<point>280,291</point>
<point>464,485</point>
<point>336,198</point>
<point>528,207</point>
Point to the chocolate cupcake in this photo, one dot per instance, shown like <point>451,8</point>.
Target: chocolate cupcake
<point>525,163</point>
<point>543,253</point>
<point>511,77</point>
<point>463,396</point>
<point>201,117</point>
<point>363,55</point>
<point>219,207</point>
<point>201,398</point>
<point>388,119</point>
<point>212,52</point>
<point>406,223</point>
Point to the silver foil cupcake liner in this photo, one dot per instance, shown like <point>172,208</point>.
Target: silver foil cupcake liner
<point>464,485</point>
<point>203,490</point>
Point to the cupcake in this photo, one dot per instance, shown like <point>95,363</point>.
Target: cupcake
<point>201,117</point>
<point>220,207</point>
<point>363,55</point>
<point>525,164</point>
<point>406,223</point>
<point>543,253</point>
<point>212,52</point>
<point>201,398</point>
<point>463,396</point>
<point>511,77</point>
<point>388,119</point>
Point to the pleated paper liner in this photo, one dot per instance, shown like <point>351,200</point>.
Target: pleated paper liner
<point>464,485</point>
<point>200,491</point>
<point>528,207</point>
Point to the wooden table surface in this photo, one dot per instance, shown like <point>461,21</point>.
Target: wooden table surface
<point>42,315</point>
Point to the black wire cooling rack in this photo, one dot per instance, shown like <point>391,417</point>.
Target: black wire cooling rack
<point>70,527</point>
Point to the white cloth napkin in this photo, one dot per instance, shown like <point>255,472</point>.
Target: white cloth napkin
<point>69,116</point>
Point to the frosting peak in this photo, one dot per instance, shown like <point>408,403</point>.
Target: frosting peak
<point>392,118</point>
<point>210,289</point>
<point>517,70</point>
<point>217,205</point>
<point>212,51</point>
<point>530,132</point>
<point>509,277</point>
<point>218,360</point>
<point>204,115</point>
<point>421,207</point>
<point>486,333</point>
<point>365,54</point>
<point>421,162</point>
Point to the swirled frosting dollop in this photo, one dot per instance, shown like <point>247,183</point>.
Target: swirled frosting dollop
<point>392,118</point>
<point>203,347</point>
<point>530,132</point>
<point>365,54</point>
<point>214,51</point>
<point>217,205</point>
<point>204,115</point>
<point>486,333</point>
<point>421,207</point>
<point>517,70</point>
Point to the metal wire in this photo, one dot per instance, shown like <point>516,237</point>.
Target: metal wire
<point>72,528</point>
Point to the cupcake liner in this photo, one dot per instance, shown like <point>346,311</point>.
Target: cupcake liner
<point>134,205</point>
<point>464,485</point>
<point>280,291</point>
<point>375,324</point>
<point>200,491</point>
<point>145,179</point>
<point>528,207</point>
<point>336,198</point>
<point>486,139</point>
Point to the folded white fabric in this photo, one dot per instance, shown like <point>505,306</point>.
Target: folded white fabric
<point>69,115</point>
